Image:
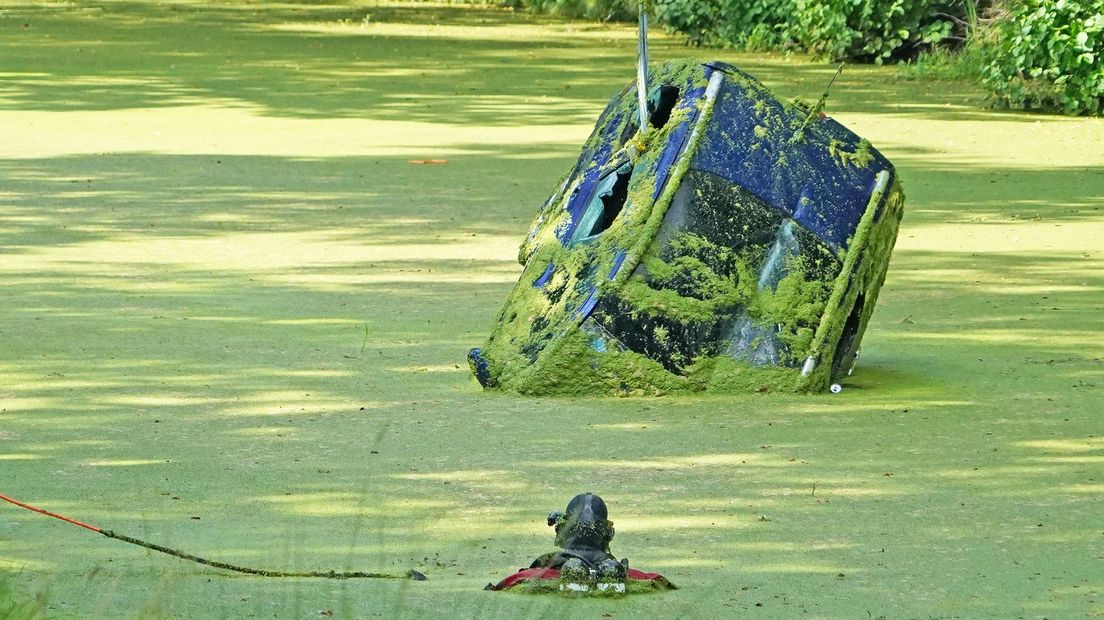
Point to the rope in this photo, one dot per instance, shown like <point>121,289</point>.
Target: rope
<point>411,574</point>
<point>50,514</point>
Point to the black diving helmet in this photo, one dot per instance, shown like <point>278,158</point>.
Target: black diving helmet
<point>584,525</point>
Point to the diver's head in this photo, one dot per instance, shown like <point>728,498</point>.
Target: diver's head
<point>584,525</point>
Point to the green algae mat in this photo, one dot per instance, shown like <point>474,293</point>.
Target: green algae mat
<point>235,322</point>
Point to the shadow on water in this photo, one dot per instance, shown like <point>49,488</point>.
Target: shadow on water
<point>387,200</point>
<point>403,63</point>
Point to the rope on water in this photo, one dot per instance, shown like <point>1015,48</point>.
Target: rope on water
<point>410,574</point>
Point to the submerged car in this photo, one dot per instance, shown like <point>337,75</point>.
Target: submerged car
<point>736,244</point>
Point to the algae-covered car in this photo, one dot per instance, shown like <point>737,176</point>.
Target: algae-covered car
<point>738,244</point>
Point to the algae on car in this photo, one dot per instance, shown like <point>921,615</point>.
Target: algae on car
<point>682,281</point>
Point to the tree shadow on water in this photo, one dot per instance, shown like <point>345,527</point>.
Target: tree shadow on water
<point>436,64</point>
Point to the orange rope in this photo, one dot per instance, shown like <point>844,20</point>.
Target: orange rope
<point>410,574</point>
<point>50,514</point>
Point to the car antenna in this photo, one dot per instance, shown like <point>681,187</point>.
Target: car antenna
<point>799,135</point>
<point>642,67</point>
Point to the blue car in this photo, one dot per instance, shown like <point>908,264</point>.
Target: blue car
<point>737,244</point>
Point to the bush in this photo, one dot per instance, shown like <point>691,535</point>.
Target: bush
<point>746,24</point>
<point>864,30</point>
<point>604,10</point>
<point>873,30</point>
<point>1049,57</point>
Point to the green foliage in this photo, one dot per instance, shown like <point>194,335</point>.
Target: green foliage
<point>746,24</point>
<point>605,10</point>
<point>867,30</point>
<point>870,30</point>
<point>1049,57</point>
<point>864,30</point>
<point>963,62</point>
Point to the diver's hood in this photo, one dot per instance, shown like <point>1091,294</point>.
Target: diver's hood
<point>585,525</point>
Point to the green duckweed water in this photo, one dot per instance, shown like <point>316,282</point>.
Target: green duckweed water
<point>227,295</point>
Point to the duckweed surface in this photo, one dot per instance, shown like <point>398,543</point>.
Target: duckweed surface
<point>227,295</point>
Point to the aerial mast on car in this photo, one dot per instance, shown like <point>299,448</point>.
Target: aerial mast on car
<point>642,67</point>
